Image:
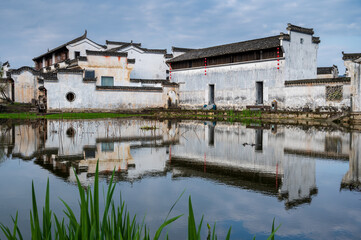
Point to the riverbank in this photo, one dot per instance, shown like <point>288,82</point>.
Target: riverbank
<point>345,120</point>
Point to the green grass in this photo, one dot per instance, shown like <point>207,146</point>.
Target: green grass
<point>67,115</point>
<point>115,222</point>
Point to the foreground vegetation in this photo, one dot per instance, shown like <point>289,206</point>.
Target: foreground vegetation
<point>115,222</point>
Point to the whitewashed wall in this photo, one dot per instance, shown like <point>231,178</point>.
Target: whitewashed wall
<point>115,67</point>
<point>88,98</point>
<point>314,96</point>
<point>301,59</point>
<point>82,46</point>
<point>235,84</point>
<point>26,86</point>
<point>354,72</point>
<point>147,65</point>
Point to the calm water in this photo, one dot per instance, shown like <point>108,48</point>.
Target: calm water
<point>239,176</point>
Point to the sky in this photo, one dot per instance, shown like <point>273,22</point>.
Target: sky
<point>29,27</point>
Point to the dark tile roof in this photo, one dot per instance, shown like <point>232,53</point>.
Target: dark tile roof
<point>5,80</point>
<point>132,61</point>
<point>49,76</point>
<point>350,56</point>
<point>324,70</point>
<point>299,29</point>
<point>122,43</point>
<point>164,82</point>
<point>130,88</point>
<point>250,45</point>
<point>284,36</point>
<point>106,53</point>
<point>171,84</point>
<point>82,58</point>
<point>89,79</point>
<point>316,39</point>
<point>136,80</point>
<point>116,49</point>
<point>63,45</point>
<point>24,68</point>
<point>6,63</point>
<point>64,70</point>
<point>84,36</point>
<point>178,49</point>
<point>318,81</point>
<point>161,51</point>
<point>168,55</point>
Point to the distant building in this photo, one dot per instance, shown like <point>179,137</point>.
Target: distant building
<point>61,56</point>
<point>247,73</point>
<point>327,72</point>
<point>83,75</point>
<point>352,62</point>
<point>149,64</point>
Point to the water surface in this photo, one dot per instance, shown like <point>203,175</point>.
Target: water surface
<point>239,176</point>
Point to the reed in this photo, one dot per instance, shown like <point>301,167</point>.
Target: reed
<point>115,222</point>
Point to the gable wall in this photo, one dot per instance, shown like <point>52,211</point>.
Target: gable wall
<point>81,47</point>
<point>26,86</point>
<point>147,65</point>
<point>301,59</point>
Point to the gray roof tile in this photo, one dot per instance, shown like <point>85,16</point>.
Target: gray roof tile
<point>239,47</point>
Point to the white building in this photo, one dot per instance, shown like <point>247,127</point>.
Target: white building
<point>149,64</point>
<point>352,62</point>
<point>280,69</point>
<point>83,75</point>
<point>327,72</point>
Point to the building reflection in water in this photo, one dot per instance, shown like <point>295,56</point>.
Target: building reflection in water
<point>275,160</point>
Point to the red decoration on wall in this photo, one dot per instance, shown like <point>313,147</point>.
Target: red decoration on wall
<point>170,71</point>
<point>205,66</point>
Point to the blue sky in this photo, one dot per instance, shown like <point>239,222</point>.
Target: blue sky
<point>29,27</point>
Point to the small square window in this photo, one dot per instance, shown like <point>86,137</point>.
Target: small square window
<point>107,81</point>
<point>301,40</point>
<point>107,147</point>
<point>89,153</point>
<point>76,54</point>
<point>89,74</point>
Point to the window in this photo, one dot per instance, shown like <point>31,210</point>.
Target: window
<point>107,81</point>
<point>89,153</point>
<point>76,54</point>
<point>70,96</point>
<point>301,40</point>
<point>107,147</point>
<point>70,132</point>
<point>334,93</point>
<point>89,74</point>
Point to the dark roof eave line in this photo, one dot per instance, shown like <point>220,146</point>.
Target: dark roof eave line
<point>64,45</point>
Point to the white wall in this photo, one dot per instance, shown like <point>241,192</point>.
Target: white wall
<point>26,86</point>
<point>88,98</point>
<point>314,96</point>
<point>234,84</point>
<point>301,59</point>
<point>147,65</point>
<point>82,46</point>
<point>354,72</point>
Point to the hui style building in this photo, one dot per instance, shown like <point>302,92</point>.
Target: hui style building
<point>84,75</point>
<point>278,71</point>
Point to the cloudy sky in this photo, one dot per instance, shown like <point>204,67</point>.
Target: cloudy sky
<point>29,27</point>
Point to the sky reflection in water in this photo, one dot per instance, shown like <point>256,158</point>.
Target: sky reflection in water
<point>244,176</point>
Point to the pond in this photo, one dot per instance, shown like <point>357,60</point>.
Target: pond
<point>307,178</point>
